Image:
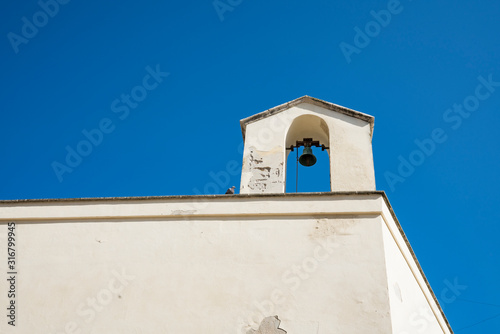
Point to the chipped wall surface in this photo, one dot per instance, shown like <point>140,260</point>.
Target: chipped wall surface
<point>264,172</point>
<point>217,264</point>
<point>269,325</point>
<point>349,139</point>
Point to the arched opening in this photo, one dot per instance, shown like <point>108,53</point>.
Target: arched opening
<point>314,178</point>
<point>310,179</point>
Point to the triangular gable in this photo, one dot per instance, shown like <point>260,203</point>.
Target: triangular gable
<point>311,100</point>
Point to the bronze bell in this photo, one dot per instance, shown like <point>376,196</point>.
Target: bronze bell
<point>307,158</point>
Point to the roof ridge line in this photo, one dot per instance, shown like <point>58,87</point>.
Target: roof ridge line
<point>307,99</point>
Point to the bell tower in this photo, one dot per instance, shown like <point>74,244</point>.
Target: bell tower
<point>271,135</point>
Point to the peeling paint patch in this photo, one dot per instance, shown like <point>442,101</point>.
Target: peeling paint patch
<point>254,160</point>
<point>265,168</point>
<point>328,227</point>
<point>269,325</point>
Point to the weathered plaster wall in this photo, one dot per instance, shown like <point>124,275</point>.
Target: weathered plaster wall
<point>349,139</point>
<point>217,264</point>
<point>184,276</point>
<point>412,307</point>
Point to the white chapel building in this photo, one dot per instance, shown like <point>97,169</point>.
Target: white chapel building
<point>259,262</point>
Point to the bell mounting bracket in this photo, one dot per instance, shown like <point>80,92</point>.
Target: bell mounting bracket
<point>307,142</point>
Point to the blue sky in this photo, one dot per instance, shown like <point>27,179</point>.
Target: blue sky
<point>166,84</point>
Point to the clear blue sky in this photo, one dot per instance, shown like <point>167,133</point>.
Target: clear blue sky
<point>430,72</point>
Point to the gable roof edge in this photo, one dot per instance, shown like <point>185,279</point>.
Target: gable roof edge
<point>311,100</point>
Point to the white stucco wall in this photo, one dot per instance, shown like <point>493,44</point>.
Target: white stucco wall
<point>412,306</point>
<point>217,264</point>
